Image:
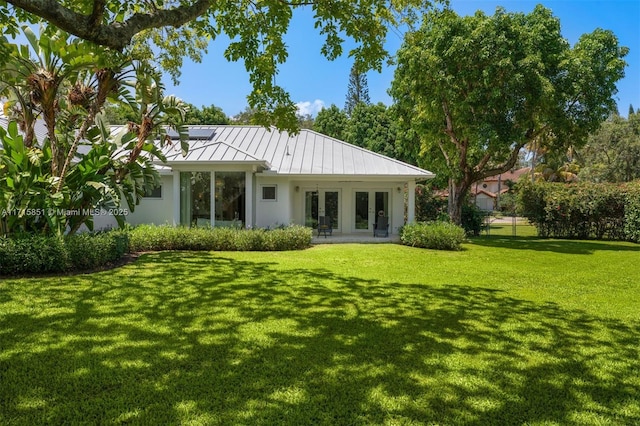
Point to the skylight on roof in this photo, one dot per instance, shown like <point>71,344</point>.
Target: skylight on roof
<point>194,134</point>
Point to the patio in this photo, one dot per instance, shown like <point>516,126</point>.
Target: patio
<point>353,238</point>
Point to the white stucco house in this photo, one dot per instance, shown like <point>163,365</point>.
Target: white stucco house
<point>251,176</point>
<point>486,193</point>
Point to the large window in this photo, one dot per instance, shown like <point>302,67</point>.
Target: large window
<point>230,199</point>
<point>195,198</point>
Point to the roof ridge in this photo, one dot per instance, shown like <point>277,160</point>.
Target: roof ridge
<point>211,142</point>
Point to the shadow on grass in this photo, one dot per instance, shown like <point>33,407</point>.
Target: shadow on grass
<point>178,338</point>
<point>553,245</point>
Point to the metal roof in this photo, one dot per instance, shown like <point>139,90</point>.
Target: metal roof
<point>306,154</point>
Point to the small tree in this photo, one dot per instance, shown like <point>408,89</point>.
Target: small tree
<point>357,91</point>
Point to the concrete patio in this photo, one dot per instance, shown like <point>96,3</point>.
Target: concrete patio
<point>339,238</point>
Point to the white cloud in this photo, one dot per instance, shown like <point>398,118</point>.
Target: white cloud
<point>307,107</point>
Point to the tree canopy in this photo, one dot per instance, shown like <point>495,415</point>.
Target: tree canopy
<point>473,91</point>
<point>612,154</point>
<point>178,28</point>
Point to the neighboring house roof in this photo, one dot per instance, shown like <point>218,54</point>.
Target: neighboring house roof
<point>512,175</point>
<point>488,193</point>
<point>306,154</point>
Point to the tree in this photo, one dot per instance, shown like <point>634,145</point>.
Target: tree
<point>372,127</point>
<point>245,117</point>
<point>612,154</point>
<point>305,121</point>
<point>475,90</point>
<point>206,115</point>
<point>357,91</point>
<point>332,122</point>
<point>183,28</point>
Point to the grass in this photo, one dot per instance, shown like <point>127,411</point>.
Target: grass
<point>507,331</point>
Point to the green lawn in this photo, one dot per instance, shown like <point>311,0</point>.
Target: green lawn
<point>507,331</point>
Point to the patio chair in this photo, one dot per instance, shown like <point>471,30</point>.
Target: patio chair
<point>381,227</point>
<point>324,226</point>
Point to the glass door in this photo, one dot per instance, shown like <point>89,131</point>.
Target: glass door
<point>322,202</point>
<point>368,205</point>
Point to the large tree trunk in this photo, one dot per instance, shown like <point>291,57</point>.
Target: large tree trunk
<point>457,197</point>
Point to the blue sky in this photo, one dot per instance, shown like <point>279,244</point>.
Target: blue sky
<point>314,82</point>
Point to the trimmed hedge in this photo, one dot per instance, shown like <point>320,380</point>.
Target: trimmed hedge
<point>32,254</point>
<point>37,254</point>
<point>583,210</point>
<point>89,251</point>
<point>165,237</point>
<point>436,235</point>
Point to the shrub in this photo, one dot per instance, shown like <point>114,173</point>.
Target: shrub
<point>429,205</point>
<point>36,254</point>
<point>433,207</point>
<point>32,254</point>
<point>436,235</point>
<point>632,212</point>
<point>158,238</point>
<point>472,219</point>
<point>88,251</point>
<point>581,211</point>
<point>293,237</point>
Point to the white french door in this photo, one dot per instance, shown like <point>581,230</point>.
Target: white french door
<point>367,205</point>
<point>322,202</point>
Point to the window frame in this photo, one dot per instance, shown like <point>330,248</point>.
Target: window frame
<point>269,186</point>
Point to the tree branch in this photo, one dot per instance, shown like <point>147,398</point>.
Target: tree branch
<point>97,13</point>
<point>115,35</point>
<point>449,129</point>
<point>506,166</point>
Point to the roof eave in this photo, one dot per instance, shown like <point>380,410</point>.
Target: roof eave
<point>399,177</point>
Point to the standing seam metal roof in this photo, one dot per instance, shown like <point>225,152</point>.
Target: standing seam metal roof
<point>307,153</point>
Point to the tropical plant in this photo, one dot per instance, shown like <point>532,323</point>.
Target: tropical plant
<point>81,166</point>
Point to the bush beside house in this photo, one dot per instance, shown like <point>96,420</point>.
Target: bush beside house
<point>37,254</point>
<point>438,235</point>
<point>432,206</point>
<point>158,238</point>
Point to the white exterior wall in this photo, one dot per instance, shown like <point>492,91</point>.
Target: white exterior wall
<point>270,213</point>
<point>288,208</point>
<point>157,211</point>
